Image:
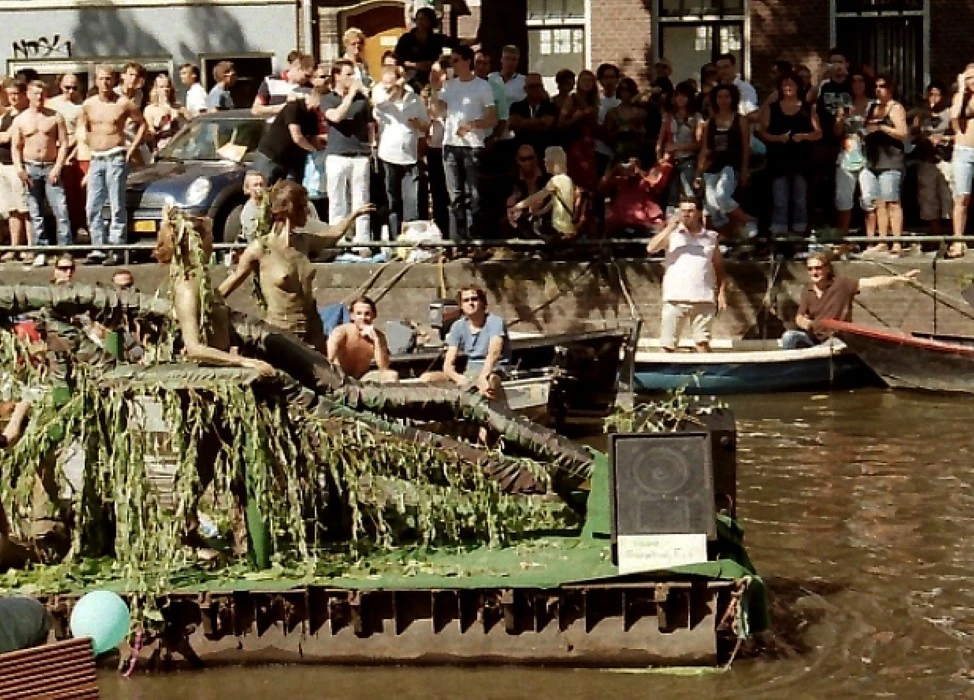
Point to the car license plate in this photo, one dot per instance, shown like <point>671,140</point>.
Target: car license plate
<point>144,226</point>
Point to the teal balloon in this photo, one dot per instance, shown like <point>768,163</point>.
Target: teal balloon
<point>102,616</point>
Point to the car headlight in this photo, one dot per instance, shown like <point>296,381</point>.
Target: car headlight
<point>197,191</point>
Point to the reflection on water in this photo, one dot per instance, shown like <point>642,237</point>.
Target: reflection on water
<point>859,513</point>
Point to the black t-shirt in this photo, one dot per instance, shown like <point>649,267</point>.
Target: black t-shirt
<point>409,48</point>
<point>539,139</point>
<point>6,154</point>
<point>350,136</point>
<point>831,96</point>
<point>277,144</point>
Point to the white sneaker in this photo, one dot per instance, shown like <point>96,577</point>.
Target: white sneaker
<point>40,260</point>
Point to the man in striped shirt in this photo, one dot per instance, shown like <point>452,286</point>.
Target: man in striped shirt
<point>274,89</point>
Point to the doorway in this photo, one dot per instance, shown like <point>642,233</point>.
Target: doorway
<point>383,24</point>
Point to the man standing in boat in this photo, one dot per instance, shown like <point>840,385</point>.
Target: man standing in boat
<point>354,346</point>
<point>693,284</point>
<point>482,337</point>
<point>829,298</point>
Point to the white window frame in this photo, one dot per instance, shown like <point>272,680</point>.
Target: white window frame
<point>660,21</point>
<point>583,23</point>
<point>924,14</point>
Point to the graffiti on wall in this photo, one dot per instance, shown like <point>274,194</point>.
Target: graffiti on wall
<point>42,47</point>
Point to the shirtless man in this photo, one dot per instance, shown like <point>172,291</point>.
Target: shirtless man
<point>13,194</point>
<point>102,126</point>
<point>353,346</point>
<point>40,147</point>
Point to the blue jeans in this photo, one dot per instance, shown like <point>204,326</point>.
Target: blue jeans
<point>106,180</point>
<point>793,340</point>
<point>719,196</point>
<point>402,194</point>
<point>39,191</point>
<point>461,166</point>
<point>791,189</point>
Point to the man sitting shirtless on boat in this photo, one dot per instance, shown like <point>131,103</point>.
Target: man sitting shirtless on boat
<point>828,297</point>
<point>354,346</point>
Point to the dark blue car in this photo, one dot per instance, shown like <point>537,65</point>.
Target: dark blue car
<point>201,170</point>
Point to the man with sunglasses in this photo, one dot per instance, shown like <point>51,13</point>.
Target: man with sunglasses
<point>533,119</point>
<point>482,338</point>
<point>64,269</point>
<point>829,297</point>
<point>68,105</point>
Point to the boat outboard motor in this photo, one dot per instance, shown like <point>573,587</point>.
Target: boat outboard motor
<point>442,314</point>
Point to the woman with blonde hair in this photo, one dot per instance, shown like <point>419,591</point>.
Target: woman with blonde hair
<point>163,114</point>
<point>354,42</point>
<point>559,196</point>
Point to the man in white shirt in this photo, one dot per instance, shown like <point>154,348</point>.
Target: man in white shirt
<point>195,102</point>
<point>68,105</point>
<point>470,113</point>
<point>728,75</point>
<point>693,283</point>
<point>402,120</point>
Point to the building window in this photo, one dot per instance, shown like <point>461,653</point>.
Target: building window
<point>887,36</point>
<point>556,37</point>
<point>694,32</point>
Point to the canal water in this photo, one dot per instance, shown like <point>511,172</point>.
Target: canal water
<point>859,513</point>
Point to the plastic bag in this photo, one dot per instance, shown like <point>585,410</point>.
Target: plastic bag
<point>314,175</point>
<point>419,233</point>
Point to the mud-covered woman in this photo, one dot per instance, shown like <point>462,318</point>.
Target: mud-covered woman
<point>281,259</point>
<point>203,318</point>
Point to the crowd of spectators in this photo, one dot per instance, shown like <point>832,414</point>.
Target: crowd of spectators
<point>487,154</point>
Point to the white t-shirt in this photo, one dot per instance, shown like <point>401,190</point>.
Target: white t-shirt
<point>465,100</point>
<point>195,99</point>
<point>67,109</point>
<point>749,96</point>
<point>513,91</point>
<point>398,140</point>
<point>690,277</point>
<point>605,104</point>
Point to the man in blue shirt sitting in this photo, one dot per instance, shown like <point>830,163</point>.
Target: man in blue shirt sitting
<point>482,338</point>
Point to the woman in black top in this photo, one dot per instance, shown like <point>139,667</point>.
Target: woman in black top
<point>725,140</point>
<point>881,179</point>
<point>789,125</point>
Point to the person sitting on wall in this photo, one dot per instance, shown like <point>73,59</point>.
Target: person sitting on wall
<point>483,338</point>
<point>355,345</point>
<point>828,297</point>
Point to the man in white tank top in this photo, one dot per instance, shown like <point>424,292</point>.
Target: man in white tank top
<point>693,283</point>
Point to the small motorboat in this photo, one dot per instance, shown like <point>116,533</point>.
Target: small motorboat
<point>750,367</point>
<point>923,361</point>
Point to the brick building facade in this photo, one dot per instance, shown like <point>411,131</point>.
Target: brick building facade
<point>915,40</point>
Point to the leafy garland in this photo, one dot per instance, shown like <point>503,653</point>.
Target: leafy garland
<point>319,482</point>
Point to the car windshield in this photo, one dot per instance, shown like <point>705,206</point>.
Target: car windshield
<point>215,139</point>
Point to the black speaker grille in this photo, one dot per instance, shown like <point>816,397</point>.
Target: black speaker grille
<point>662,483</point>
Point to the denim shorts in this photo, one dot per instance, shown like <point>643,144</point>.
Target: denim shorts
<point>963,165</point>
<point>884,186</point>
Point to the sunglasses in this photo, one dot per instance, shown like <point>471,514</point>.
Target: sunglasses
<point>881,85</point>
<point>65,268</point>
<point>470,300</point>
<point>69,87</point>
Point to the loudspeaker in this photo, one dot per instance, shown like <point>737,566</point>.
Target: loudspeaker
<point>661,484</point>
<point>720,424</point>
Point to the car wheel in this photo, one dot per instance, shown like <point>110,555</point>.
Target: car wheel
<point>232,228</point>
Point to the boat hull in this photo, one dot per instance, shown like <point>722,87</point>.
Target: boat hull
<point>906,361</point>
<point>820,368</point>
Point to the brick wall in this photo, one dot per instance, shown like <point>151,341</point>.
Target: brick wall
<point>793,30</point>
<point>621,34</point>
<point>564,296</point>
<point>951,39</point>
